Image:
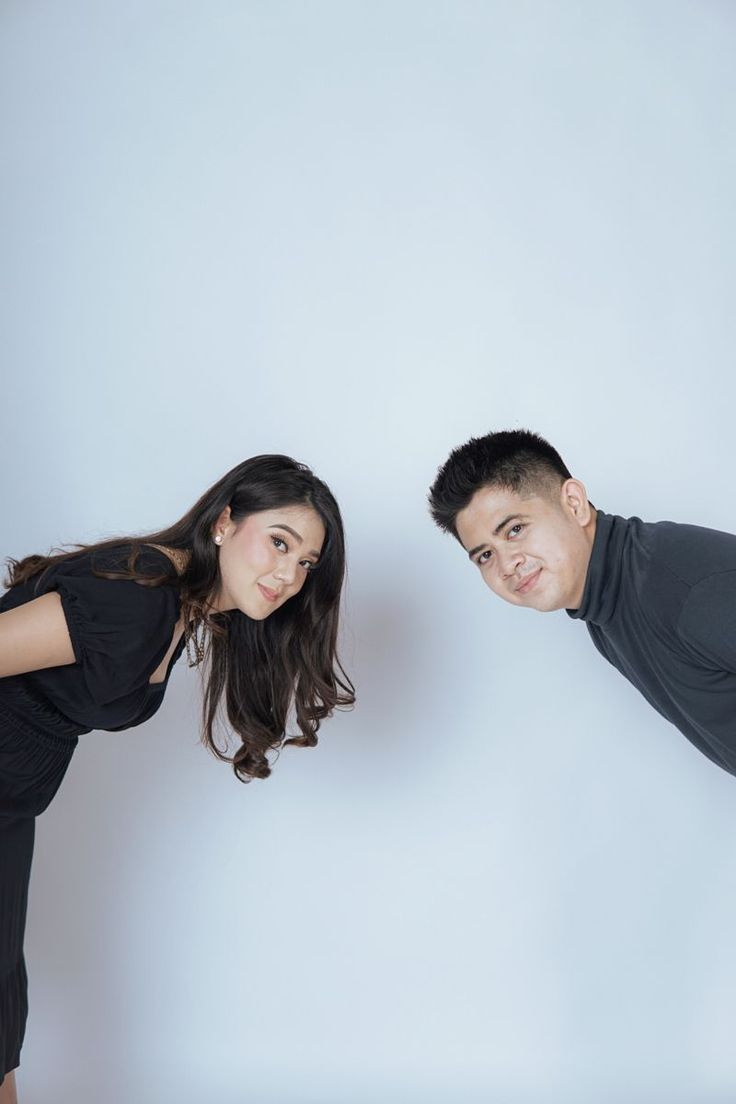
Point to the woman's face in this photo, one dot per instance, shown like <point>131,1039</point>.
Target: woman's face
<point>265,558</point>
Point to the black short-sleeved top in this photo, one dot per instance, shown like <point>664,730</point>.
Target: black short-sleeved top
<point>120,631</point>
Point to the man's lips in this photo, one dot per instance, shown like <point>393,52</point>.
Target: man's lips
<point>270,595</point>
<point>529,582</point>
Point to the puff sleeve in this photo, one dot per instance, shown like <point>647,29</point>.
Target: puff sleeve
<point>120,631</point>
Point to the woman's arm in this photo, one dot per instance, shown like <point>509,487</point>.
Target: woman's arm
<point>34,636</point>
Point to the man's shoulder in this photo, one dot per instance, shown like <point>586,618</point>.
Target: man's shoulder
<point>689,553</point>
<point>673,567</point>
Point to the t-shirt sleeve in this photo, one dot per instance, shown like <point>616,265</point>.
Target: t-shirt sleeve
<point>119,629</point>
<point>707,622</point>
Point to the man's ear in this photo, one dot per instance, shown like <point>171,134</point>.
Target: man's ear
<point>574,501</point>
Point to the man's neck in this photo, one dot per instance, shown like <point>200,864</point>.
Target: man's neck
<point>589,534</point>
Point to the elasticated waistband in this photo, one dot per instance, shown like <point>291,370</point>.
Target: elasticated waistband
<point>31,715</point>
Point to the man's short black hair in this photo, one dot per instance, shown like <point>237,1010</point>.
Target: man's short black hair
<point>516,459</point>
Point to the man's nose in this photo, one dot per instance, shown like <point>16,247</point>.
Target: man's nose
<point>508,561</point>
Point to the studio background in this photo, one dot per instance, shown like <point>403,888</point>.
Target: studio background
<point>359,233</point>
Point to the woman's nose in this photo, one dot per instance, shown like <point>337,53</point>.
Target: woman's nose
<point>285,573</point>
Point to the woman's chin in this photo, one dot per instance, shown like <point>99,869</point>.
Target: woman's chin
<point>255,610</point>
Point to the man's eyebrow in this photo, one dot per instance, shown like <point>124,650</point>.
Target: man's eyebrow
<point>501,525</point>
<point>296,536</point>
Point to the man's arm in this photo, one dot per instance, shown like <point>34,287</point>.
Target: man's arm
<point>707,623</point>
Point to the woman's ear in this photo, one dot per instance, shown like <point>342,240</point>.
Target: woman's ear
<point>222,524</point>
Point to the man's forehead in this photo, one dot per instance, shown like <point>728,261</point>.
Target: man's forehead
<point>490,505</point>
<point>489,501</point>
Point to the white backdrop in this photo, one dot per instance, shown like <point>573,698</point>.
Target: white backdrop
<point>358,233</point>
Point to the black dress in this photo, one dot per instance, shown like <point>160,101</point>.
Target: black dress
<point>120,631</point>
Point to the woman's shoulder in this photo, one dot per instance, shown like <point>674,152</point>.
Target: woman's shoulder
<point>177,558</point>
<point>118,599</point>
<point>149,566</point>
<point>131,560</point>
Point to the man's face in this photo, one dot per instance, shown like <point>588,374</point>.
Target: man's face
<point>531,551</point>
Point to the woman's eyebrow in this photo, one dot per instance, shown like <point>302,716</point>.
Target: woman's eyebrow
<point>296,536</point>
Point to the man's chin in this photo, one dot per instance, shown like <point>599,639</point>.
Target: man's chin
<point>542,603</point>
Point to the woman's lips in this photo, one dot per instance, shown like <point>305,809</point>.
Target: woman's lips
<point>529,582</point>
<point>268,594</point>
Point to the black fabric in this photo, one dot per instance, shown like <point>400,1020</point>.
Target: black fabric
<point>660,605</point>
<point>32,765</point>
<point>120,631</point>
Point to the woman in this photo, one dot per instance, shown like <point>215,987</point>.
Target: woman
<point>249,580</point>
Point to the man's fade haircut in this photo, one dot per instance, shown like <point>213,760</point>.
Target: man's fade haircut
<point>516,459</point>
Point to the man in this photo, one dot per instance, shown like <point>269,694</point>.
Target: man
<point>659,600</point>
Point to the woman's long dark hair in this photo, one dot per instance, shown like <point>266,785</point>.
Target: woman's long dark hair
<point>255,671</point>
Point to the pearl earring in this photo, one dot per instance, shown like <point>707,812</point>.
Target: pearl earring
<point>218,539</point>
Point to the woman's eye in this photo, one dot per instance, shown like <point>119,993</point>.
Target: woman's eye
<point>308,565</point>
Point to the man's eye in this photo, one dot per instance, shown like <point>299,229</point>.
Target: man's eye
<point>515,529</point>
<point>484,557</point>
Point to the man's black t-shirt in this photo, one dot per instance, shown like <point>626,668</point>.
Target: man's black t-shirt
<point>660,605</point>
